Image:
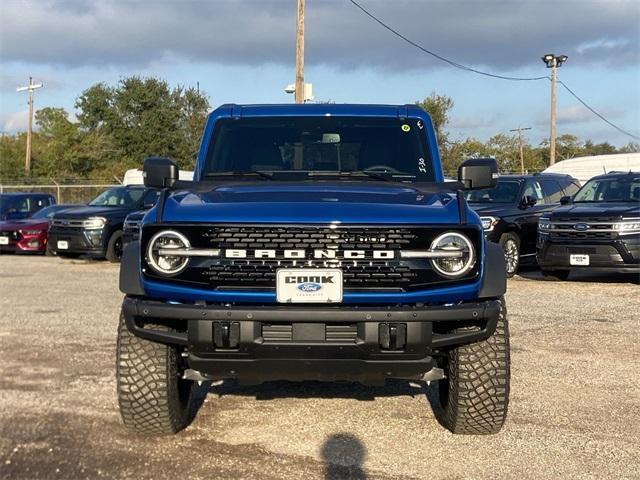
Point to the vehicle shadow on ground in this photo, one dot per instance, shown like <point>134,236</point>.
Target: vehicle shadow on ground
<point>345,390</point>
<point>317,389</point>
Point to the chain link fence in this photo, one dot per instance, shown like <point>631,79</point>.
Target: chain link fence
<point>65,191</point>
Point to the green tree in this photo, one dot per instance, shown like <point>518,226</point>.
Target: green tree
<point>140,117</point>
<point>438,107</point>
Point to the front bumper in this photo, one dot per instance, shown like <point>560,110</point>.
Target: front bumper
<point>301,348</point>
<point>620,255</point>
<point>80,241</point>
<point>21,242</point>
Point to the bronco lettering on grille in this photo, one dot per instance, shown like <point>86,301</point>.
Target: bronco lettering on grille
<point>317,253</point>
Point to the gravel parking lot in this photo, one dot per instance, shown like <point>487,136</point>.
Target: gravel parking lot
<point>575,404</point>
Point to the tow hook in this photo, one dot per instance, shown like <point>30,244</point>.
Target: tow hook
<point>432,375</point>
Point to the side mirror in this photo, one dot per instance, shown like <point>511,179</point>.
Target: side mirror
<point>565,200</point>
<point>528,201</point>
<point>478,173</point>
<point>159,172</point>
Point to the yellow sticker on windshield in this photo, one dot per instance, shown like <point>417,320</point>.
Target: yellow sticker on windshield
<point>405,127</point>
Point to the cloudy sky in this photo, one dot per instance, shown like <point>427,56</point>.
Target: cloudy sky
<point>243,52</point>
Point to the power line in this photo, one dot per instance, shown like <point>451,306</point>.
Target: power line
<point>487,74</point>
<point>575,95</point>
<point>440,57</point>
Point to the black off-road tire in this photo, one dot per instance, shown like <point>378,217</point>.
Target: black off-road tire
<point>510,243</point>
<point>153,398</point>
<point>114,247</point>
<point>475,395</point>
<point>557,275</point>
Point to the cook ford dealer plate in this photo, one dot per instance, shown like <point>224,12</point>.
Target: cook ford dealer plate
<point>309,285</point>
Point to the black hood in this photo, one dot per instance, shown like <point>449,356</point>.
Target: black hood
<point>598,209</point>
<point>89,211</point>
<point>491,209</point>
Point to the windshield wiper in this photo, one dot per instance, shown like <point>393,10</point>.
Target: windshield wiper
<point>268,176</point>
<point>384,176</point>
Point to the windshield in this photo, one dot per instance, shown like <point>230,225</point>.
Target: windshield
<point>613,189</point>
<point>284,146</point>
<point>118,197</point>
<point>503,192</point>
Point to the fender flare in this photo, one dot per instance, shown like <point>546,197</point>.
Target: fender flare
<point>130,280</point>
<point>494,280</point>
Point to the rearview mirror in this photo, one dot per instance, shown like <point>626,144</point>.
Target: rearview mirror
<point>478,173</point>
<point>159,172</point>
<point>565,200</point>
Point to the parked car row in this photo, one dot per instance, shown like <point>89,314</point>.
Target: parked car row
<point>96,229</point>
<point>510,211</point>
<point>549,220</point>
<point>541,218</point>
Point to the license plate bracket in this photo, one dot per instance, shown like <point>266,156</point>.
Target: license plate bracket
<point>579,260</point>
<point>309,285</point>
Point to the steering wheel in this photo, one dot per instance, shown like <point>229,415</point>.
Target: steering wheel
<point>382,169</point>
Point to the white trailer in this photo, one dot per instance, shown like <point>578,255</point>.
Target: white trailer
<point>134,176</point>
<point>584,168</point>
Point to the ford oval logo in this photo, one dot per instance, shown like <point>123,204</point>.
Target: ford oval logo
<point>309,287</point>
<point>581,227</point>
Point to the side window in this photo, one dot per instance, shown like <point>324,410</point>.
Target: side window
<point>534,190</point>
<point>23,205</point>
<point>570,189</point>
<point>552,190</point>
<point>151,197</point>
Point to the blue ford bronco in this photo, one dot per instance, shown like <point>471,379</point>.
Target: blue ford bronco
<point>315,242</point>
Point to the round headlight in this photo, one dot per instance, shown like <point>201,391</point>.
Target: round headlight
<point>159,252</point>
<point>462,257</point>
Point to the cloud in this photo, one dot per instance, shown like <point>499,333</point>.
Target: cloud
<point>501,34</point>
<point>15,121</point>
<point>574,114</point>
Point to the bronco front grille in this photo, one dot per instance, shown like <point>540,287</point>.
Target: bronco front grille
<point>381,274</point>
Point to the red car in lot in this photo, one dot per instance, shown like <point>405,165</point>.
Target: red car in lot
<point>28,234</point>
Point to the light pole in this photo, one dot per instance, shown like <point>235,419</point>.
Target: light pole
<point>553,62</point>
<point>30,88</point>
<point>299,85</point>
<point>520,130</point>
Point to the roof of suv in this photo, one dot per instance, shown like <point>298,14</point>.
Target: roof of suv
<point>526,176</point>
<point>630,173</point>
<point>323,109</point>
<point>25,194</point>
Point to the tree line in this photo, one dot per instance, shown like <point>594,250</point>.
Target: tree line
<point>505,146</point>
<point>114,129</point>
<point>116,126</point>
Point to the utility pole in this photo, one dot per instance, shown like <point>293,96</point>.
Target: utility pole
<point>520,130</point>
<point>553,62</point>
<point>299,88</point>
<point>30,88</point>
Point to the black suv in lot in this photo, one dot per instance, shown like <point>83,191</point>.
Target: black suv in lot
<point>96,229</point>
<point>510,211</point>
<point>599,229</point>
